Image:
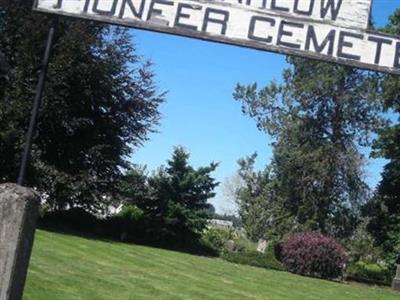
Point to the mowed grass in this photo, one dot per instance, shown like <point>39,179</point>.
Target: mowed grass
<point>71,268</point>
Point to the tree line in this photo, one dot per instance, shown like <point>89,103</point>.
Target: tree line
<point>321,117</point>
<point>101,102</point>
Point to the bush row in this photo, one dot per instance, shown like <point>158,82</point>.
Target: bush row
<point>256,259</point>
<point>369,273</point>
<point>241,250</point>
<point>310,254</point>
<point>127,226</point>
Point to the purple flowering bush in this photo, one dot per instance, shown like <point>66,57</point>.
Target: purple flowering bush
<point>313,254</point>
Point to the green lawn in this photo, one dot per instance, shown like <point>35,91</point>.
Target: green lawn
<point>68,267</point>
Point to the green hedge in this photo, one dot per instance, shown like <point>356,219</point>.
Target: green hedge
<point>369,272</point>
<point>255,259</point>
<point>215,239</point>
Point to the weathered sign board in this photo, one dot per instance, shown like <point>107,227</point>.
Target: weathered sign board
<point>348,13</point>
<point>329,30</point>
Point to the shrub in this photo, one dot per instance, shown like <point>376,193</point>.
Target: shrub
<point>276,247</point>
<point>369,272</point>
<point>215,238</point>
<point>313,254</point>
<point>131,213</point>
<point>361,246</point>
<point>75,219</point>
<point>127,225</point>
<point>246,255</point>
<point>255,259</point>
<point>243,244</point>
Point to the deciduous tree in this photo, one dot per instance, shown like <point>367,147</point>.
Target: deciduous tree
<point>100,102</point>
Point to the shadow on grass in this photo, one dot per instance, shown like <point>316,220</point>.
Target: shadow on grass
<point>194,249</point>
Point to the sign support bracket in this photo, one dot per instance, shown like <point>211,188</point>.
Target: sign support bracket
<point>37,102</point>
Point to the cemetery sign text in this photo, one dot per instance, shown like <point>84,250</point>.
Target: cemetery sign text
<point>329,30</point>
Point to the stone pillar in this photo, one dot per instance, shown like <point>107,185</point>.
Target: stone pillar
<point>19,208</point>
<point>396,280</point>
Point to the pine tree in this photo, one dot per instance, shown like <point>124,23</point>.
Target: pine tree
<point>318,117</point>
<point>384,210</point>
<point>175,199</point>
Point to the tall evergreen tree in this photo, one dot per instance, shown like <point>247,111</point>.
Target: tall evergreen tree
<point>384,210</point>
<point>100,102</point>
<point>319,116</point>
<point>175,199</point>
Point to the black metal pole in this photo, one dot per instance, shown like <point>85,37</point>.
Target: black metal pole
<point>36,104</point>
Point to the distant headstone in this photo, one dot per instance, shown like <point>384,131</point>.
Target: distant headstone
<point>230,245</point>
<point>123,236</point>
<point>18,213</point>
<point>396,280</point>
<point>262,245</point>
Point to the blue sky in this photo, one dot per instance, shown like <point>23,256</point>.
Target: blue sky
<point>200,113</point>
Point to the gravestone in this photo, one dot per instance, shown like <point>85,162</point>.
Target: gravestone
<point>18,213</point>
<point>262,246</point>
<point>396,280</point>
<point>230,245</point>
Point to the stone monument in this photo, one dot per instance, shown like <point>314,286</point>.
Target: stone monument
<point>19,208</point>
<point>262,246</point>
<point>396,280</point>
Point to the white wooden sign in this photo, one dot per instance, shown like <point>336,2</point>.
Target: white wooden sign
<point>326,34</point>
<point>348,13</point>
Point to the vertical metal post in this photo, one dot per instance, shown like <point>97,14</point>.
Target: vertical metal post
<point>36,104</point>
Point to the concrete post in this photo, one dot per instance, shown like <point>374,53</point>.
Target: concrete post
<point>19,208</point>
<point>396,280</point>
